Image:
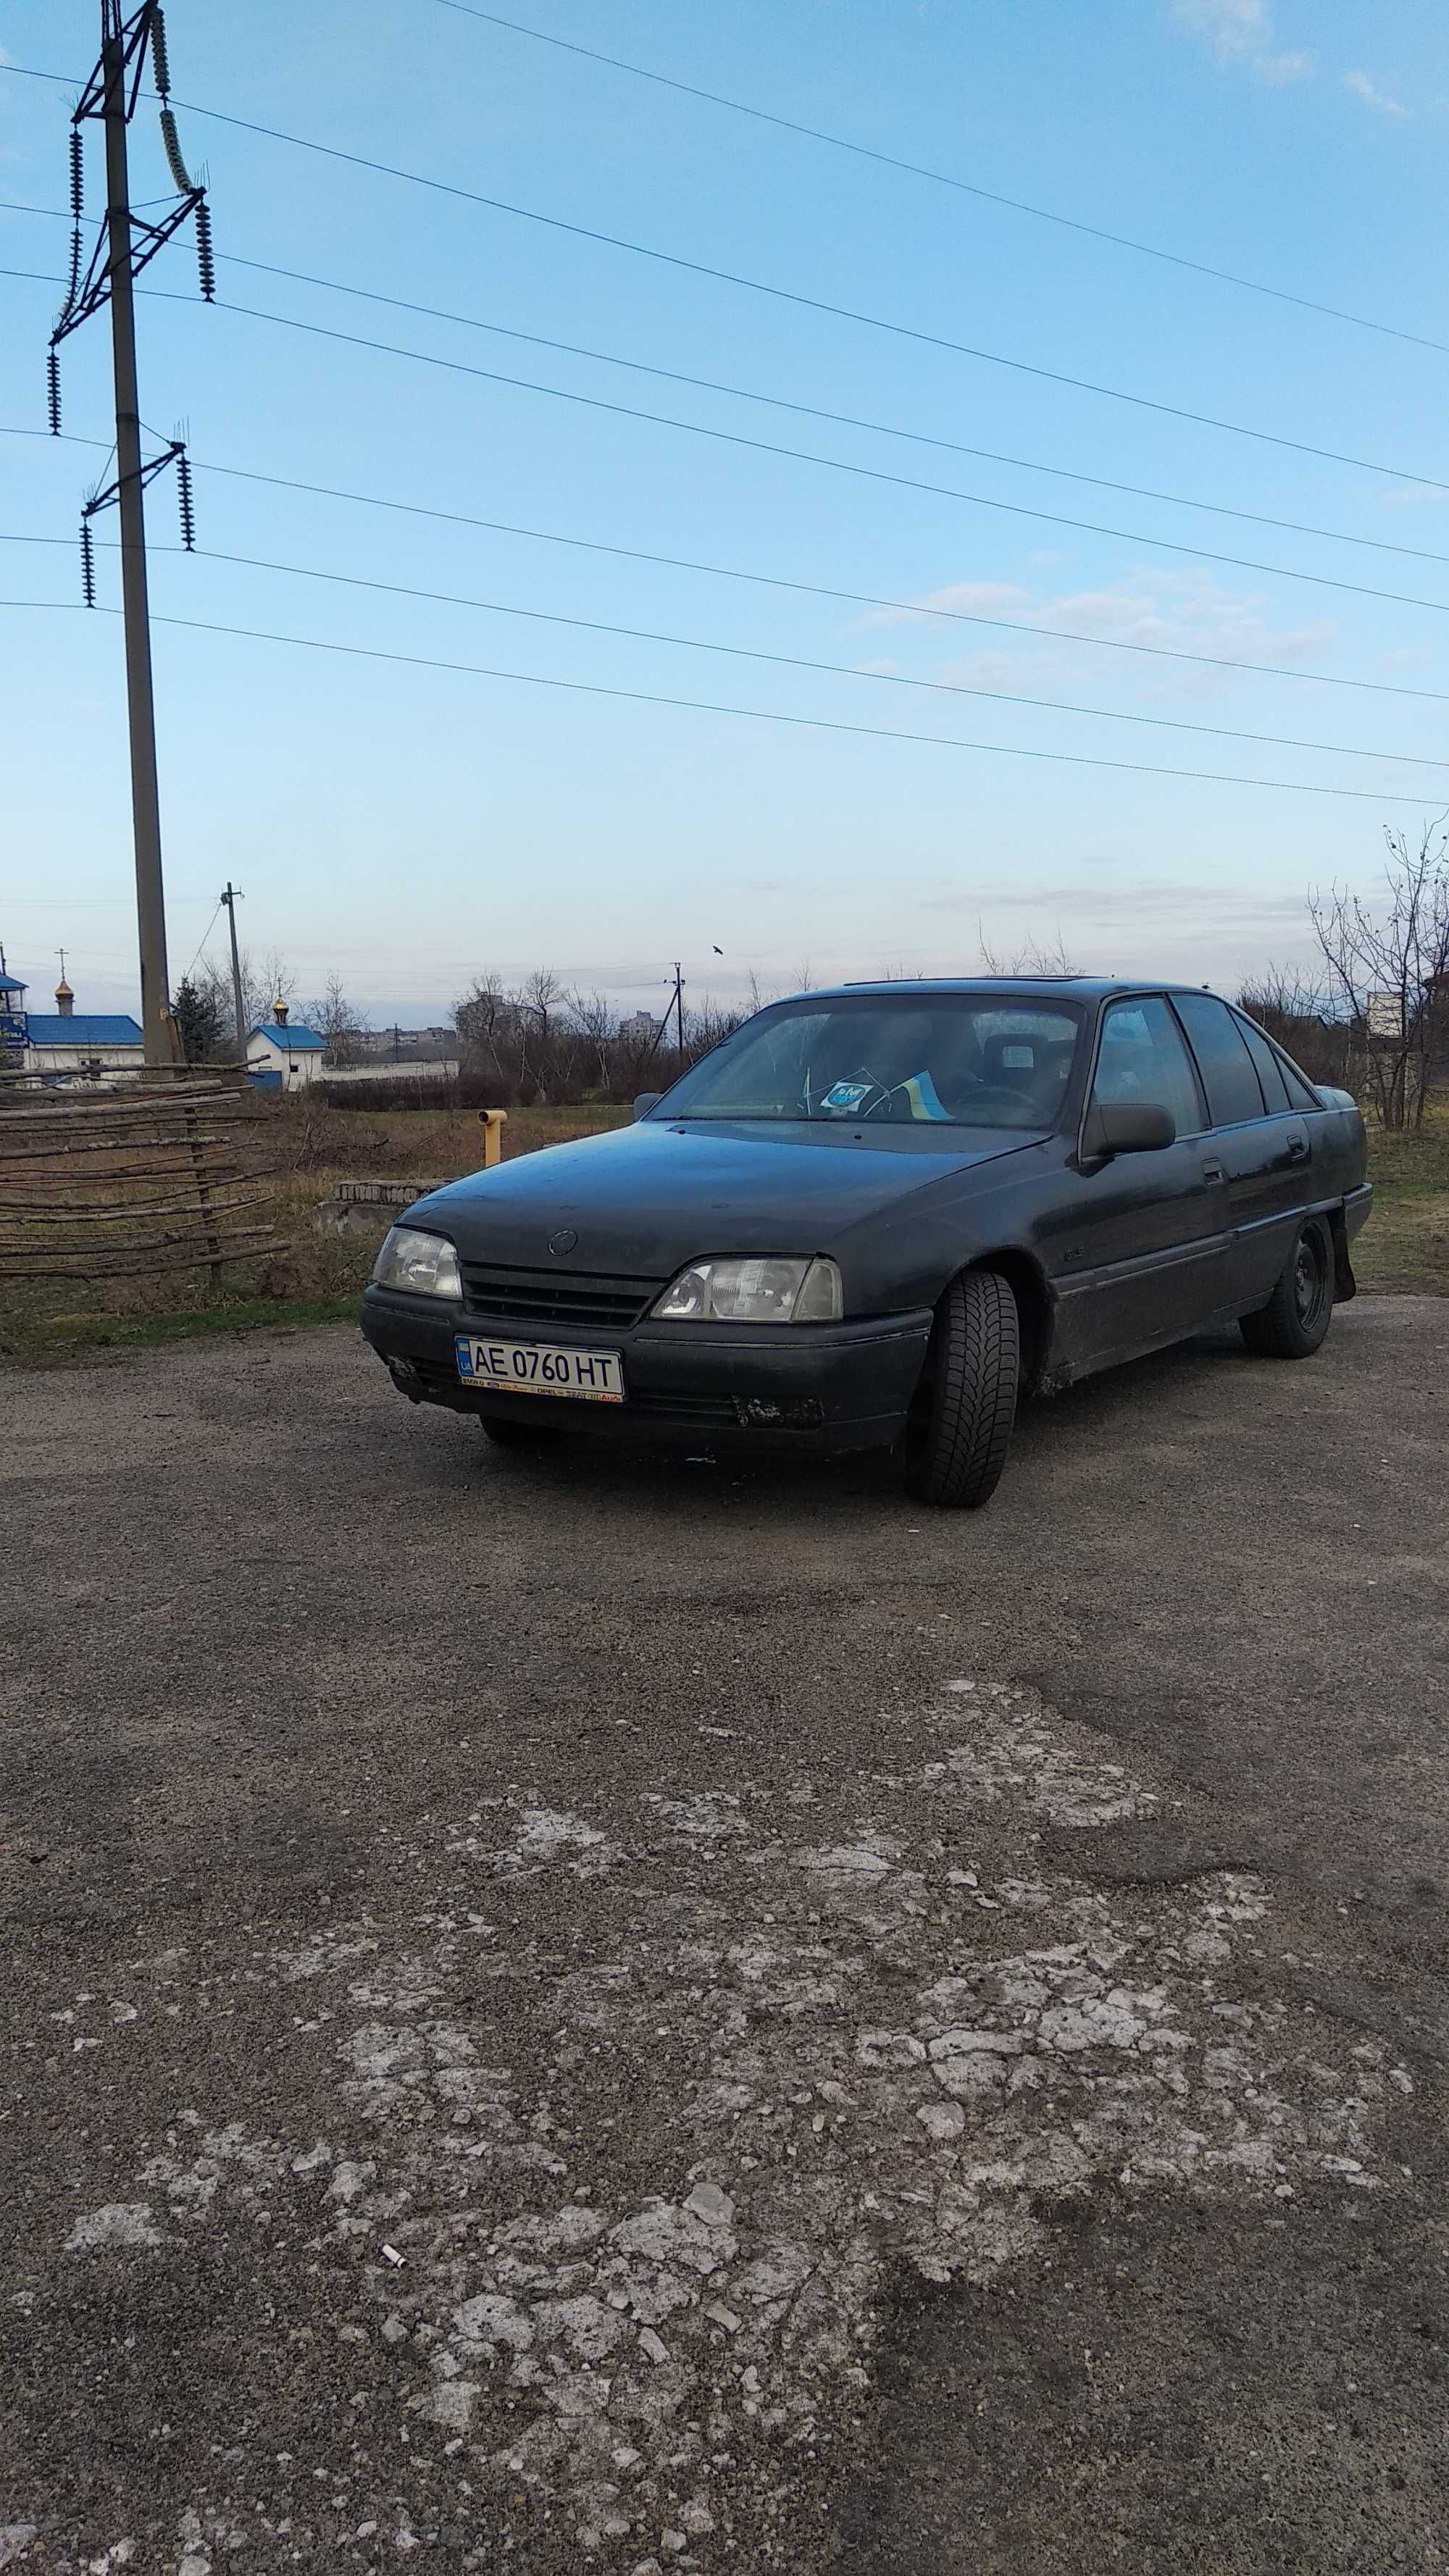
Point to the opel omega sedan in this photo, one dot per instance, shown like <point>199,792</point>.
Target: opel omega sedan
<point>877,1217</point>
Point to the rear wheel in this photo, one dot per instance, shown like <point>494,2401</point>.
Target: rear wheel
<point>1293,1323</point>
<point>507,1432</point>
<point>957,1448</point>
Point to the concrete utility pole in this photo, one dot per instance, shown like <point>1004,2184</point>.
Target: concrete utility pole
<point>230,900</point>
<point>127,242</point>
<point>678,1006</point>
<point>158,1028</point>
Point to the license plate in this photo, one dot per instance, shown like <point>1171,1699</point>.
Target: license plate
<point>533,1368</point>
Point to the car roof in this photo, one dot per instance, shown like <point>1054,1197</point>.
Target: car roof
<point>1071,988</point>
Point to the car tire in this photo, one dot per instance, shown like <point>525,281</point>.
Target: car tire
<point>956,1450</point>
<point>508,1433</point>
<point>1293,1323</point>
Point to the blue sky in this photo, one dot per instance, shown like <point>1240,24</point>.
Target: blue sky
<point>408,828</point>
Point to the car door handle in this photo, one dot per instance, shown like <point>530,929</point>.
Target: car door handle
<point>1213,1172</point>
<point>1297,1149</point>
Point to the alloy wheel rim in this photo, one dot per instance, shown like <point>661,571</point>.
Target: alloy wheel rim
<point>1308,1279</point>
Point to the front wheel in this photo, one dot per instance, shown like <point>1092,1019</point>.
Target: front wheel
<point>1293,1323</point>
<point>956,1451</point>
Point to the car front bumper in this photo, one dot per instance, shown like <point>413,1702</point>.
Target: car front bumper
<point>835,1386</point>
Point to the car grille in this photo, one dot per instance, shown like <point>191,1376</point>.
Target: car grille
<point>583,1297</point>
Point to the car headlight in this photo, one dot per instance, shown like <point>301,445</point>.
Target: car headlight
<point>425,1263</point>
<point>754,1292</point>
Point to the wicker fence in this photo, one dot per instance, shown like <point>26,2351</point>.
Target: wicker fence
<point>165,1175</point>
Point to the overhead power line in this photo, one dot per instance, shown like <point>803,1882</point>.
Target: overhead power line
<point>756,715</point>
<point>947,179</point>
<point>781,402</point>
<point>831,464</point>
<point>806,456</point>
<point>782,661</point>
<point>914,170</point>
<point>801,589</point>
<point>794,296</point>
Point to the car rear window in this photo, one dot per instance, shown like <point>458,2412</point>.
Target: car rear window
<point>1222,1058</point>
<point>913,1058</point>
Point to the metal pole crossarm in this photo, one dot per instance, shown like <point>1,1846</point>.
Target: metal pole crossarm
<point>110,497</point>
<point>146,240</point>
<point>132,39</point>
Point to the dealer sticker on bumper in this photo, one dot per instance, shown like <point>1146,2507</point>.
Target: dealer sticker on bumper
<point>532,1368</point>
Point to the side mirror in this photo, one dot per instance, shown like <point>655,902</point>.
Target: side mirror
<point>644,1101</point>
<point>1126,1127</point>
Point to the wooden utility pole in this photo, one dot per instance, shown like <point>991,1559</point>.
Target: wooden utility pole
<point>157,1024</point>
<point>126,243</point>
<point>230,900</point>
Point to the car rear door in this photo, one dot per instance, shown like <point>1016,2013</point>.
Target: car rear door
<point>1263,1142</point>
<point>1144,1238</point>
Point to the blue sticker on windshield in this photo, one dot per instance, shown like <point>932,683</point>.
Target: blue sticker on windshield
<point>846,1095</point>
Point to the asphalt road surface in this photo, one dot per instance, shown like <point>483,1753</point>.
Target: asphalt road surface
<point>579,2011</point>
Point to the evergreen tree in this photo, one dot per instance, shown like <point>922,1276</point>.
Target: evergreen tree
<point>198,1016</point>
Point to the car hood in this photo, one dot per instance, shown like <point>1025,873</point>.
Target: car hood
<point>642,1200</point>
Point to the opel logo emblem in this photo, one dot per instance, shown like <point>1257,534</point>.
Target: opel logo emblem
<point>563,1241</point>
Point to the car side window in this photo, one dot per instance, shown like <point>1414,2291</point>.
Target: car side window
<point>1270,1074</point>
<point>1141,1058</point>
<point>1222,1059</point>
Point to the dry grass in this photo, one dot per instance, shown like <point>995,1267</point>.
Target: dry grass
<point>1404,1248</point>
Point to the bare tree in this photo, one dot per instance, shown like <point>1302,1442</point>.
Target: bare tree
<point>1034,956</point>
<point>1307,1018</point>
<point>264,982</point>
<point>337,1022</point>
<point>1398,952</point>
<point>479,1018</point>
<point>593,1020</point>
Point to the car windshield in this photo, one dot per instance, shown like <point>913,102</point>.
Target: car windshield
<point>899,1060</point>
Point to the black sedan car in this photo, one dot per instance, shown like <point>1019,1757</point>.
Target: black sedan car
<point>876,1216</point>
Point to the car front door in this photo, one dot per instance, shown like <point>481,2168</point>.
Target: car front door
<point>1262,1141</point>
<point>1143,1237</point>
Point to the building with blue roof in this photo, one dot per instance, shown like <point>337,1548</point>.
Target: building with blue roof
<point>66,1041</point>
<point>284,1054</point>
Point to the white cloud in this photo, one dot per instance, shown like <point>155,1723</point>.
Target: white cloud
<point>1374,97</point>
<point>1240,33</point>
<point>1166,611</point>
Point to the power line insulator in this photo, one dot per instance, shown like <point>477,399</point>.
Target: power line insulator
<point>77,174</point>
<point>205,255</point>
<point>160,65</point>
<point>73,280</point>
<point>186,500</point>
<point>52,390</point>
<point>172,142</point>
<point>88,564</point>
